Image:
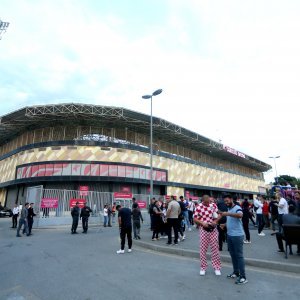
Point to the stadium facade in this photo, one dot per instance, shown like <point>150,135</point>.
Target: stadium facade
<point>66,146</point>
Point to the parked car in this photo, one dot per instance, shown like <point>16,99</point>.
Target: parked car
<point>5,212</point>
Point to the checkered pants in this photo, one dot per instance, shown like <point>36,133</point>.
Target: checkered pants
<point>209,239</point>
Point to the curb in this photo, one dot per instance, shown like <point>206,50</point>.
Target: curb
<point>259,263</point>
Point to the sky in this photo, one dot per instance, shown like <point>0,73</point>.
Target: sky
<point>229,70</point>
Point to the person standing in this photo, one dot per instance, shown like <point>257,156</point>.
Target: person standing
<point>282,210</point>
<point>185,212</point>
<point>235,238</point>
<point>109,215</point>
<point>265,211</point>
<point>259,215</point>
<point>172,216</point>
<point>113,210</point>
<point>191,209</point>
<point>157,220</point>
<point>84,215</point>
<point>105,215</point>
<point>150,211</point>
<point>23,220</point>
<point>136,221</point>
<point>273,208</point>
<point>125,226</point>
<point>75,212</point>
<point>30,216</point>
<point>15,216</point>
<point>222,233</point>
<point>206,216</point>
<point>245,220</point>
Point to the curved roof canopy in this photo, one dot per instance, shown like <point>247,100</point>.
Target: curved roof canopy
<point>32,117</point>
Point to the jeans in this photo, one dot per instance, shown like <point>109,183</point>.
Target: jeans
<point>25,223</point>
<point>260,222</point>
<point>235,247</point>
<point>186,218</point>
<point>136,228</point>
<point>105,222</point>
<point>123,233</point>
<point>74,224</point>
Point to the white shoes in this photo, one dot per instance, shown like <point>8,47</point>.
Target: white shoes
<point>247,242</point>
<point>218,272</point>
<point>261,234</point>
<point>120,251</point>
<point>129,250</point>
<point>183,238</point>
<point>202,272</point>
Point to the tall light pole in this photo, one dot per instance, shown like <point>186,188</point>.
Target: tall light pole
<point>157,92</point>
<point>274,158</point>
<point>3,27</point>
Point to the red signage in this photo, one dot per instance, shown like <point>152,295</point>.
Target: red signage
<point>233,151</point>
<point>49,203</point>
<point>81,202</point>
<point>118,195</point>
<point>125,189</point>
<point>142,204</point>
<point>83,190</point>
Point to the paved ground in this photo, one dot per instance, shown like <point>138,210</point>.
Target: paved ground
<point>53,264</point>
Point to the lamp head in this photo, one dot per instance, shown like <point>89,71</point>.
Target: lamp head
<point>146,96</point>
<point>157,92</point>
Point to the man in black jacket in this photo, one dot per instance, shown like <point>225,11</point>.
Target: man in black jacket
<point>75,216</point>
<point>289,219</point>
<point>84,215</point>
<point>30,216</point>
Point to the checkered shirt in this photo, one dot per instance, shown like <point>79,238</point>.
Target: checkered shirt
<point>205,213</point>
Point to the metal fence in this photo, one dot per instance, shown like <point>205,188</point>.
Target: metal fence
<point>95,200</point>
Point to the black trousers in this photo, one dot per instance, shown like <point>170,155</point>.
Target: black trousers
<point>75,224</point>
<point>246,228</point>
<point>85,223</point>
<point>30,223</point>
<point>261,222</point>
<point>123,232</point>
<point>172,223</point>
<point>14,221</point>
<point>280,238</point>
<point>222,237</point>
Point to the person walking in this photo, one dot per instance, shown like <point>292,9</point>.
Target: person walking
<point>84,216</point>
<point>191,209</point>
<point>125,226</point>
<point>109,215</point>
<point>245,220</point>
<point>185,213</point>
<point>23,220</point>
<point>206,216</point>
<point>172,215</point>
<point>259,215</point>
<point>265,211</point>
<point>282,210</point>
<point>15,216</point>
<point>30,216</point>
<point>75,212</point>
<point>136,221</point>
<point>235,238</point>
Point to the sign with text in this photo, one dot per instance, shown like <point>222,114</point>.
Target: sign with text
<point>233,151</point>
<point>83,190</point>
<point>142,204</point>
<point>118,195</point>
<point>81,202</point>
<point>49,203</point>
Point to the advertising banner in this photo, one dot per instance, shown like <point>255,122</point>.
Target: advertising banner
<point>83,190</point>
<point>81,202</point>
<point>118,195</point>
<point>49,203</point>
<point>142,204</point>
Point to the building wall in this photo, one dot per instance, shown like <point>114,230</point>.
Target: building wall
<point>2,196</point>
<point>178,171</point>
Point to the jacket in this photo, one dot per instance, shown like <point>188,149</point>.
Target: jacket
<point>85,212</point>
<point>75,212</point>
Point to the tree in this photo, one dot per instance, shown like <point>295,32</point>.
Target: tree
<point>287,179</point>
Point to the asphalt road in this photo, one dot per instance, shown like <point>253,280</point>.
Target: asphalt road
<point>53,264</point>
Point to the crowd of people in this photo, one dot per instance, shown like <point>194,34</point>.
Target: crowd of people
<point>218,221</point>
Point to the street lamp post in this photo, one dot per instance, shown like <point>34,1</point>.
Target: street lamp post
<point>274,158</point>
<point>157,92</point>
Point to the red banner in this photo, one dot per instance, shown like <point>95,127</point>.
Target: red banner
<point>49,203</point>
<point>118,195</point>
<point>142,204</point>
<point>81,202</point>
<point>83,190</point>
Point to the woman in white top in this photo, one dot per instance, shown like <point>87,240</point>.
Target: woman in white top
<point>105,215</point>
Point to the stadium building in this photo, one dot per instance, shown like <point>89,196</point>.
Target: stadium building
<point>66,146</point>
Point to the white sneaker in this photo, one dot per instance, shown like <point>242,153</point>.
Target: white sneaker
<point>120,251</point>
<point>218,272</point>
<point>202,272</point>
<point>129,250</point>
<point>261,234</point>
<point>183,238</point>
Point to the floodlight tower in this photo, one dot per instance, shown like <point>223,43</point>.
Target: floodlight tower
<point>3,27</point>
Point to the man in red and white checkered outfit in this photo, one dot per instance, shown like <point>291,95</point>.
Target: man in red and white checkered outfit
<point>206,217</point>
